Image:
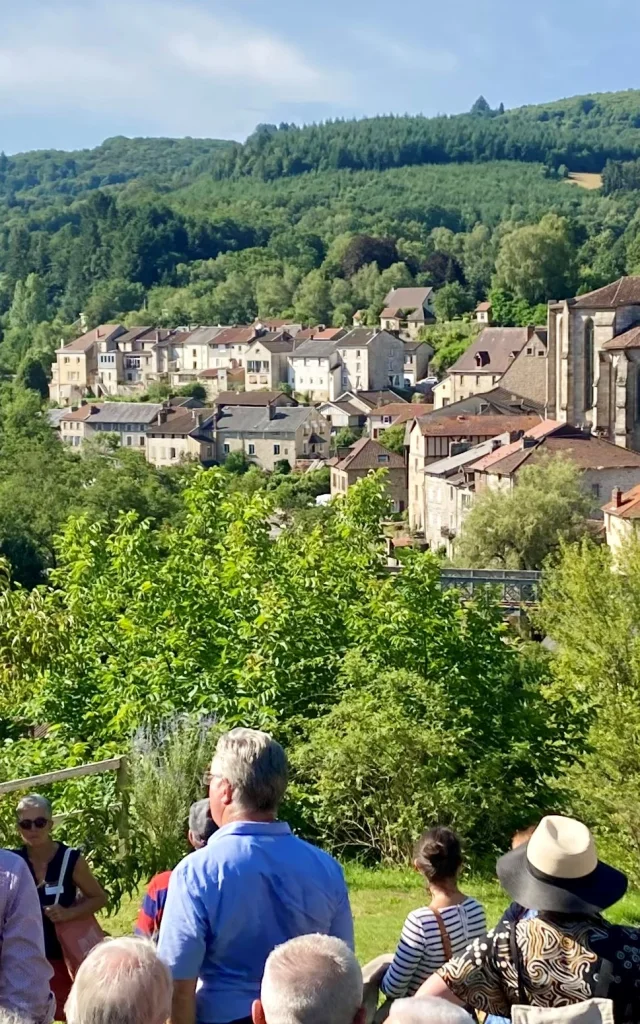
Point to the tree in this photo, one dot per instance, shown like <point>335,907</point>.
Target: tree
<point>509,311</point>
<point>29,306</point>
<point>481,107</point>
<point>312,301</point>
<point>393,438</point>
<point>193,390</point>
<point>236,462</point>
<point>31,374</point>
<point>346,437</point>
<point>442,268</point>
<point>273,295</point>
<point>111,300</point>
<point>365,249</point>
<point>451,301</point>
<point>536,262</point>
<point>519,530</point>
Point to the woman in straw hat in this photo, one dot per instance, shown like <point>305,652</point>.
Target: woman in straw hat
<point>567,953</point>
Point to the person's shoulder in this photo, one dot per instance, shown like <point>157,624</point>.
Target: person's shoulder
<point>159,882</point>
<point>12,860</point>
<point>307,849</point>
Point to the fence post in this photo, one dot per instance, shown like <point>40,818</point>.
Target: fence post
<point>122,789</point>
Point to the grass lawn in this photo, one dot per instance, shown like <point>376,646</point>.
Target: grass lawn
<point>381,899</point>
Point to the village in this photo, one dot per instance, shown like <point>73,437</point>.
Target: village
<point>280,392</point>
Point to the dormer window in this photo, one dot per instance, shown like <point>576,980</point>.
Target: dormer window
<point>481,358</point>
<point>383,458</point>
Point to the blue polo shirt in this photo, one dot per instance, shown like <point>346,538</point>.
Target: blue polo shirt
<point>254,886</point>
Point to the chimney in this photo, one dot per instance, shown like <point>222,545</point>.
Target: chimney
<point>616,497</point>
<point>162,416</point>
<point>271,410</point>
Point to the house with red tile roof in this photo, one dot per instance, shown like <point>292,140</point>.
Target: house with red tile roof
<point>364,457</point>
<point>622,518</point>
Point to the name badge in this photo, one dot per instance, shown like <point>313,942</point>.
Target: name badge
<point>52,890</point>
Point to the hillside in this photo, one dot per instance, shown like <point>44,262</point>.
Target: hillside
<point>169,232</point>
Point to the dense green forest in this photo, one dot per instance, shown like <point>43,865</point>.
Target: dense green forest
<point>169,232</point>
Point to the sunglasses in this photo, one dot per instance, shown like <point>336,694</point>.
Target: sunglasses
<point>27,823</point>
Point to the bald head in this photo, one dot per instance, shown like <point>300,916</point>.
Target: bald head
<point>314,979</point>
<point>122,981</point>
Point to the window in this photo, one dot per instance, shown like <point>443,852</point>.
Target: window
<point>595,490</point>
<point>445,401</point>
<point>163,453</point>
<point>66,359</point>
<point>172,453</point>
<point>276,449</point>
<point>383,459</point>
<point>129,440</point>
<point>251,449</point>
<point>451,494</point>
<point>530,351</point>
<point>386,419</point>
<point>226,448</point>
<point>588,363</point>
<point>357,353</point>
<point>194,353</point>
<point>142,442</point>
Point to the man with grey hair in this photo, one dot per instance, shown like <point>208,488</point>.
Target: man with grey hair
<point>25,973</point>
<point>314,979</point>
<point>427,1010</point>
<point>201,828</point>
<point>121,981</point>
<point>253,887</point>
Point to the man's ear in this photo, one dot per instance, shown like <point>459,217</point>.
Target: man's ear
<point>360,1017</point>
<point>257,1013</point>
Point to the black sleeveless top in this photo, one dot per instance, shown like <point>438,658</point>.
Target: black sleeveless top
<point>47,893</point>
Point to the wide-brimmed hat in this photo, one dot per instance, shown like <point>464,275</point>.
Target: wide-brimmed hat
<point>558,870</point>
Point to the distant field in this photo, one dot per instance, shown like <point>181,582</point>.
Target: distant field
<point>382,898</point>
<point>589,181</point>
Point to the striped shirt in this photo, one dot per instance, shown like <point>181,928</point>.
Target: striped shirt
<point>420,952</point>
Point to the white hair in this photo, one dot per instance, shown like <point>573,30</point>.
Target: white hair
<point>122,981</point>
<point>35,800</point>
<point>427,1010</point>
<point>314,979</point>
<point>9,1017</point>
<point>255,765</point>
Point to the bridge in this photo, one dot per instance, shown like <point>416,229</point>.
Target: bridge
<point>515,587</point>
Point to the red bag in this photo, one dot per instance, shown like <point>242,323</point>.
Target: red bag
<point>76,938</point>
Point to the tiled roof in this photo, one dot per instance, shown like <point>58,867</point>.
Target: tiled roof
<point>492,351</point>
<point>236,335</point>
<point>629,339</point>
<point>182,421</point>
<point>383,397</point>
<point>629,507</point>
<point>321,333</point>
<point>453,463</point>
<point>538,432</point>
<point>102,333</point>
<point>81,413</point>
<point>434,425</point>
<point>238,419</point>
<point>407,298</point>
<point>390,313</point>
<point>401,412</point>
<point>369,454</point>
<point>250,398</point>
<point>623,292</point>
<point>125,412</point>
<point>315,350</point>
<point>280,342</point>
<point>483,307</point>
<point>583,449</point>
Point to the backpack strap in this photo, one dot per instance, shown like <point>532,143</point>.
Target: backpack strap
<point>523,998</point>
<point>444,935</point>
<point>605,974</point>
<point>63,873</point>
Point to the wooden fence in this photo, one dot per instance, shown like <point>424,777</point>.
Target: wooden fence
<point>113,764</point>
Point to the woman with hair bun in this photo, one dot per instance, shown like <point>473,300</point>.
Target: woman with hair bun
<point>433,934</point>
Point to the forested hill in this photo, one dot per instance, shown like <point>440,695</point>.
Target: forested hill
<point>582,133</point>
<point>46,173</point>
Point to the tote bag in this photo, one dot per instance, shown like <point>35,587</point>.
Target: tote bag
<point>76,938</point>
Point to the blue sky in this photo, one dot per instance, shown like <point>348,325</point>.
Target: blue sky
<point>73,72</point>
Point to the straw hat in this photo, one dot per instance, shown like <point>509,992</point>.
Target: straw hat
<point>558,870</point>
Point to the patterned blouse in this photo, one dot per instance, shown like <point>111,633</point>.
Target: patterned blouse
<point>560,959</point>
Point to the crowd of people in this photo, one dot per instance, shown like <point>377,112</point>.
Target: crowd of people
<point>254,926</point>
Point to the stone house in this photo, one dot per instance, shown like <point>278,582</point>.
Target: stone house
<point>315,369</point>
<point>267,361</point>
<point>182,433</point>
<point>622,518</point>
<point>603,465</point>
<point>343,414</point>
<point>594,361</point>
<point>437,435</point>
<point>371,360</point>
<point>363,457</point>
<point>417,355</point>
<point>128,420</point>
<point>74,375</point>
<point>483,313</point>
<point>73,424</point>
<point>407,310</point>
<point>489,358</point>
<point>271,434</point>
<point>449,492</point>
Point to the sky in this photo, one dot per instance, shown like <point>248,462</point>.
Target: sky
<point>74,72</point>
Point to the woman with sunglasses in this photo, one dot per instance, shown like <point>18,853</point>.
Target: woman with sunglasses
<point>79,893</point>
